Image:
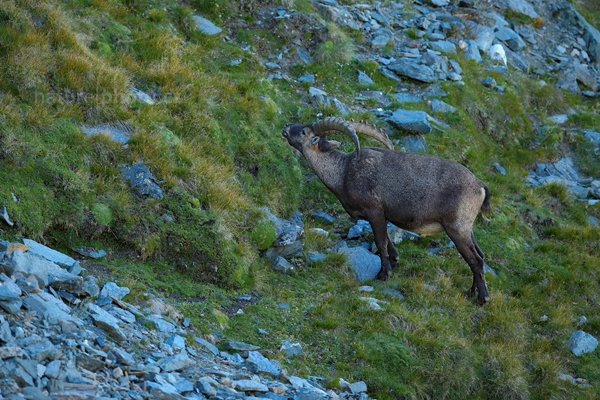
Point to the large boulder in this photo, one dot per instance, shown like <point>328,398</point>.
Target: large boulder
<point>413,70</point>
<point>365,264</point>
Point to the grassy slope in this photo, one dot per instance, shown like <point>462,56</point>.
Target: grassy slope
<point>68,63</point>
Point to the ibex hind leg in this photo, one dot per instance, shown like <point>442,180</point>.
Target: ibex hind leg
<point>379,227</point>
<point>472,254</point>
<point>393,253</point>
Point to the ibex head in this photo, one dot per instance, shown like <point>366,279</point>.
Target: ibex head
<point>314,136</point>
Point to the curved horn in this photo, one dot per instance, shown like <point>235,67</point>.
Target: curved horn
<point>322,127</point>
<point>373,132</point>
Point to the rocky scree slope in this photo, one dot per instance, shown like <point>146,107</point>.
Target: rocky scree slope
<point>65,338</point>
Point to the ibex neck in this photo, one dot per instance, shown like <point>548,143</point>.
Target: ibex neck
<point>330,167</point>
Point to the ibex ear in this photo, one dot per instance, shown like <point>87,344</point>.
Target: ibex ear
<point>315,139</point>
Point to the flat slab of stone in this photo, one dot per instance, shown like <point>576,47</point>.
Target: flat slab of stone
<point>413,70</point>
<point>49,254</point>
<point>248,385</point>
<point>262,365</point>
<point>108,323</point>
<point>411,121</point>
<point>118,131</point>
<point>205,26</point>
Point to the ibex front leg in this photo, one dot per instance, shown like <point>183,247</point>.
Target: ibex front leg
<point>379,227</point>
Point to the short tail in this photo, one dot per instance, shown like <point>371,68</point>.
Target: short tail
<point>486,207</point>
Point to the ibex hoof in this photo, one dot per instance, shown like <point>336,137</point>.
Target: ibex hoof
<point>383,275</point>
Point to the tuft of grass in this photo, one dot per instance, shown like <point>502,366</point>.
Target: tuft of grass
<point>337,48</point>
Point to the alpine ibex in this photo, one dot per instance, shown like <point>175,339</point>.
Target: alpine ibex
<point>417,192</point>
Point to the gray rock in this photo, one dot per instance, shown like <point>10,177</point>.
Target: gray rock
<point>315,256</point>
<point>336,13</point>
<point>288,231</point>
<point>304,56</point>
<point>364,79</point>
<point>49,308</point>
<point>407,98</point>
<point>184,386</point>
<point>272,65</point>
<point>5,334</point>
<point>89,363</point>
<point>359,229</point>
<point>489,270</point>
<point>593,137</point>
<point>232,358</point>
<point>10,352</point>
<point>176,363</point>
<point>443,46</point>
<point>484,36</point>
<point>393,293</point>
<point>488,82</point>
<point>122,356</point>
<point>590,219</point>
<point>413,143</point>
<point>499,168</point>
<point>176,342</point>
<point>372,303</point>
<point>324,216</point>
<point>90,252</point>
<point>111,289</point>
<point>205,26</point>
<point>411,121</point>
<point>365,264</point>
<point>163,391</point>
<point>5,216</point>
<point>122,314</point>
<point>441,106</point>
<point>280,264</point>
<point>291,349</point>
<point>511,38</point>
<point>358,387</point>
<point>142,96</point>
<point>241,346</point>
<point>381,38</point>
<point>341,106</point>
<point>159,323</point>
<point>9,290</point>
<point>307,78</point>
<point>582,343</point>
<point>91,287</point>
<point>207,345</point>
<point>472,51</point>
<point>286,251</point>
<point>519,6</point>
<point>49,254</point>
<point>249,385</point>
<point>105,321</point>
<point>119,132</point>
<point>53,369</point>
<point>412,70</point>
<point>585,75</point>
<point>205,387</point>
<point>262,365</point>
<point>142,180</point>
